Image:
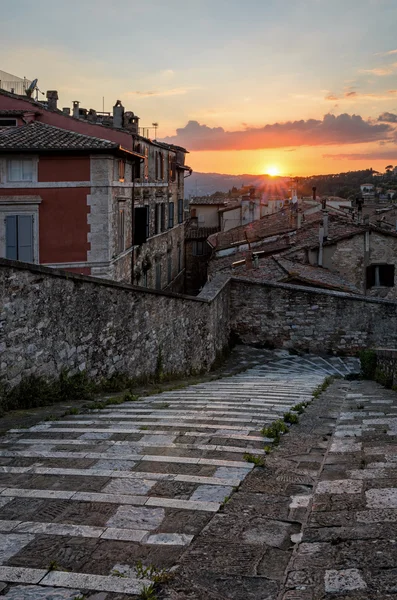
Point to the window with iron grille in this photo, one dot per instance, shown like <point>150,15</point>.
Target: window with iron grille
<point>170,214</point>
<point>180,210</point>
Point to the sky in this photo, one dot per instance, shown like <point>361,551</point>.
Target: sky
<point>295,87</point>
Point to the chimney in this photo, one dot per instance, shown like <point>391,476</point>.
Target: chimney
<point>118,114</point>
<point>66,111</point>
<point>314,193</point>
<point>92,116</point>
<point>52,99</point>
<point>76,107</point>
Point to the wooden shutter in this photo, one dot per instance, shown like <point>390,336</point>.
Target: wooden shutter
<point>25,238</point>
<point>11,237</point>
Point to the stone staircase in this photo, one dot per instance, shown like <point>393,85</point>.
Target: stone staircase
<point>98,491</point>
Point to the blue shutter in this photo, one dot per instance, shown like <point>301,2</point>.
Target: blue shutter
<point>25,238</point>
<point>11,237</point>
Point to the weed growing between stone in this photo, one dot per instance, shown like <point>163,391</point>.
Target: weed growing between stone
<point>321,388</point>
<point>258,461</point>
<point>157,576</point>
<point>275,430</point>
<point>300,408</point>
<point>290,418</point>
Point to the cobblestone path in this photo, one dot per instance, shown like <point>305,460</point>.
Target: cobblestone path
<point>84,498</point>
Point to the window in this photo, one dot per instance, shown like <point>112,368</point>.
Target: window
<point>157,219</point>
<point>198,248</point>
<point>20,169</point>
<point>145,278</point>
<point>161,165</point>
<point>140,225</point>
<point>162,214</point>
<point>158,276</point>
<point>169,267</point>
<point>180,210</point>
<point>170,215</point>
<point>8,122</point>
<point>121,231</point>
<point>172,168</point>
<point>121,170</point>
<point>179,258</point>
<point>19,237</point>
<point>146,164</point>
<point>157,165</point>
<point>380,276</point>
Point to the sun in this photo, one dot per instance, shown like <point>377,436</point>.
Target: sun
<point>273,171</point>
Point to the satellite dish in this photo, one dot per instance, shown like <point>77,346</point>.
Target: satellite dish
<point>32,87</point>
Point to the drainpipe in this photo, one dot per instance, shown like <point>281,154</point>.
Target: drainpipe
<point>132,221</point>
<point>320,249</point>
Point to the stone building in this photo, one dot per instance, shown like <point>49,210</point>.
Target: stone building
<point>326,250</point>
<point>152,190</point>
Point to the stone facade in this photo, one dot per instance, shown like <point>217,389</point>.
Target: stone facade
<point>308,319</point>
<point>52,320</point>
<point>350,258</point>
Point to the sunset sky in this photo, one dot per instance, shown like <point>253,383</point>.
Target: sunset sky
<point>300,86</point>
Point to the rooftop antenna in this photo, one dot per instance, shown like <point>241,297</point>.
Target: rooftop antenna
<point>31,88</point>
<point>155,125</point>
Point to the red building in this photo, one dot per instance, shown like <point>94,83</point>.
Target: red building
<point>111,205</point>
<point>61,203</point>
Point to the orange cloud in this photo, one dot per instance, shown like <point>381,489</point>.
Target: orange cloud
<point>342,129</point>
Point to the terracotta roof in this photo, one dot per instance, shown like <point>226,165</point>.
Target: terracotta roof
<point>277,269</point>
<point>215,201</point>
<point>40,136</point>
<point>268,226</point>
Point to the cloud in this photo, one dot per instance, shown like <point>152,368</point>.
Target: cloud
<point>386,156</point>
<point>351,95</point>
<point>172,92</point>
<point>387,117</point>
<point>380,71</point>
<point>342,129</point>
<point>386,53</point>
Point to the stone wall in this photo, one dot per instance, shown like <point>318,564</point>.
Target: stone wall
<point>308,319</point>
<point>51,320</point>
<point>386,359</point>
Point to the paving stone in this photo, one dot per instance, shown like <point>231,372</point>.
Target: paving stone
<point>381,498</point>
<point>128,486</point>
<point>210,493</point>
<point>11,544</point>
<point>95,582</point>
<point>344,580</point>
<point>34,592</point>
<point>130,517</point>
<point>342,486</point>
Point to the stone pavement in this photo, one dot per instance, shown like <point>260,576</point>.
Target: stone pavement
<point>319,521</point>
<point>85,498</point>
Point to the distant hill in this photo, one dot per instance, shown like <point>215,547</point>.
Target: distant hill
<point>202,184</point>
<point>339,184</point>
